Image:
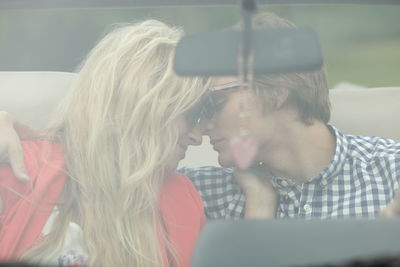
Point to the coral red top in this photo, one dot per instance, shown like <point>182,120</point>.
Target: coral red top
<point>183,214</point>
<point>27,206</point>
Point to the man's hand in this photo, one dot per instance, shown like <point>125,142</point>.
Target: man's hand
<point>261,198</point>
<point>10,146</point>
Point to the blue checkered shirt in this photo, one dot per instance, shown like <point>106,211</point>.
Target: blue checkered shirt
<point>362,179</point>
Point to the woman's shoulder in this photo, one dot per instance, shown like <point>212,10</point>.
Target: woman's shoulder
<point>178,182</point>
<point>36,150</point>
<point>178,188</point>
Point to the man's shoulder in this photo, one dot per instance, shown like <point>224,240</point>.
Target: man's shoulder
<point>210,179</point>
<point>374,156</point>
<point>222,196</point>
<point>373,147</point>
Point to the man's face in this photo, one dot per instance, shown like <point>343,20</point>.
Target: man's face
<point>224,124</point>
<point>263,122</point>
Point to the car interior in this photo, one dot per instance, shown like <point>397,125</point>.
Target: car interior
<point>369,110</point>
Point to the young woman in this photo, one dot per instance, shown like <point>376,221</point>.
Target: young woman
<point>103,189</point>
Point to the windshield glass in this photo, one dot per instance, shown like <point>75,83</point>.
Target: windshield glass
<point>360,42</point>
<point>144,161</point>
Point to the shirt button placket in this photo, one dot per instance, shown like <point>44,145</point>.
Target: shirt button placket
<point>307,208</point>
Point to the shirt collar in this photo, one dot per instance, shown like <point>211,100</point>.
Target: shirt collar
<point>339,159</point>
<point>331,171</point>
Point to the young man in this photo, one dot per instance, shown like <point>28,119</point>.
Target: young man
<point>315,170</point>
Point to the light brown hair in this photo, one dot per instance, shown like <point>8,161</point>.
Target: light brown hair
<point>307,91</point>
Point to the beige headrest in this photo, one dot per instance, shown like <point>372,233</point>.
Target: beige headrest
<point>32,96</point>
<point>367,111</point>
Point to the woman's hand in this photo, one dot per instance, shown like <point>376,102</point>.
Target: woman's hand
<point>261,198</point>
<point>10,146</point>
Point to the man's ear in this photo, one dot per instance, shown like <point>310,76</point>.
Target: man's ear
<point>274,99</point>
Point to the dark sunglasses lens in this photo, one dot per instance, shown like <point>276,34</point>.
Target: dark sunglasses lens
<point>193,115</point>
<point>209,108</point>
<point>203,110</point>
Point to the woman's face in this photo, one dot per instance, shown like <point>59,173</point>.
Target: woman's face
<point>189,135</point>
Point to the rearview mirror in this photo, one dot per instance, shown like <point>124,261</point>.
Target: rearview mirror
<point>274,51</point>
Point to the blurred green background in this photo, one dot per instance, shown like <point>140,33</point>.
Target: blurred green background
<point>361,43</point>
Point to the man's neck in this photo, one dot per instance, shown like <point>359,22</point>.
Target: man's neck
<point>299,152</point>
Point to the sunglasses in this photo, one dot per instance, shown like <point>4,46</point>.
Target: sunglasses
<point>208,107</point>
<point>212,105</point>
<point>230,85</point>
<point>194,115</point>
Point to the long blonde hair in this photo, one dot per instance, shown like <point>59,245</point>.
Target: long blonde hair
<point>118,127</point>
